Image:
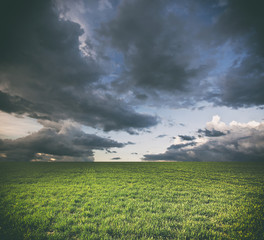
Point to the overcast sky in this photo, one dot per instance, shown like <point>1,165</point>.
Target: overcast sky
<point>132,80</point>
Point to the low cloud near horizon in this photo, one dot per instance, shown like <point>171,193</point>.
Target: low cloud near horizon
<point>63,141</point>
<point>237,142</point>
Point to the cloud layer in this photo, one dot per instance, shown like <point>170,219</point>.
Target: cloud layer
<point>189,51</point>
<point>56,65</point>
<point>44,74</point>
<point>63,141</point>
<point>237,142</point>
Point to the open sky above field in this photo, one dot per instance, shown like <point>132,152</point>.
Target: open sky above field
<point>131,80</point>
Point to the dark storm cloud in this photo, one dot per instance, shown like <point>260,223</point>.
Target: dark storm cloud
<point>157,47</point>
<point>244,142</point>
<point>186,138</point>
<point>241,18</point>
<point>167,50</point>
<point>244,85</point>
<point>241,24</point>
<point>44,75</point>
<point>63,141</point>
<point>170,48</point>
<point>14,104</point>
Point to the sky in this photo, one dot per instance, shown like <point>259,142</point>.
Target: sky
<point>132,80</point>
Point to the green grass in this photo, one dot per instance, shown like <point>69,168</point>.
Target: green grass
<point>131,201</point>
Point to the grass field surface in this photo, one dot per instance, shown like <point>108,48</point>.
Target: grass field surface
<point>132,201</point>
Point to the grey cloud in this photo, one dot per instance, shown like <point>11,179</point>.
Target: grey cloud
<point>243,85</point>
<point>44,75</point>
<point>95,142</point>
<point>14,104</point>
<point>179,146</point>
<point>167,156</point>
<point>245,142</point>
<point>242,18</point>
<point>241,23</point>
<point>170,154</point>
<point>170,53</point>
<point>58,143</point>
<point>186,138</point>
<point>214,151</point>
<point>211,133</point>
<point>158,50</point>
<point>141,96</point>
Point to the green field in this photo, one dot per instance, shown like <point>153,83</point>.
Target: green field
<point>132,201</point>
